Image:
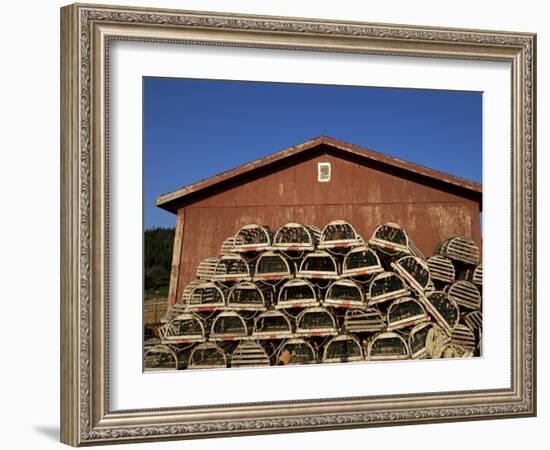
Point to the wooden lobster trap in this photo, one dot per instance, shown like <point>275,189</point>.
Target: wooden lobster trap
<point>387,346</point>
<point>206,296</point>
<point>441,269</point>
<point>443,309</point>
<point>228,246</point>
<point>343,348</point>
<point>160,357</point>
<point>295,237</point>
<point>361,263</point>
<point>229,326</point>
<point>414,271</point>
<point>185,328</point>
<point>465,294</point>
<point>316,321</point>
<point>385,287</point>
<point>207,356</point>
<point>249,354</point>
<point>463,337</point>
<point>253,238</point>
<point>174,311</point>
<point>461,249</point>
<point>272,325</point>
<point>273,267</point>
<point>296,351</point>
<point>339,236</point>
<point>344,294</point>
<point>405,312</point>
<point>230,268</point>
<point>369,320</point>
<point>297,293</point>
<point>248,296</point>
<point>426,340</point>
<point>390,238</point>
<point>318,266</point>
<point>206,270</point>
<point>474,275</point>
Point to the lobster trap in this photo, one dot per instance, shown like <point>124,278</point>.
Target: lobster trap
<point>228,326</point>
<point>474,321</point>
<point>385,287</point>
<point>344,294</point>
<point>206,270</point>
<point>361,262</point>
<point>316,321</point>
<point>272,266</point>
<point>185,328</point>
<point>465,294</point>
<point>228,246</point>
<point>443,309</point>
<point>369,320</point>
<point>297,293</point>
<point>441,269</point>
<point>206,296</point>
<point>295,237</point>
<point>405,312</point>
<point>207,356</point>
<point>272,325</point>
<point>249,354</point>
<point>461,249</point>
<point>253,238</point>
<point>414,271</point>
<point>343,348</point>
<point>387,346</point>
<point>474,275</point>
<point>427,340</point>
<point>339,236</point>
<point>174,311</point>
<point>160,357</point>
<point>231,268</point>
<point>248,296</point>
<point>318,265</point>
<point>463,337</point>
<point>296,351</point>
<point>390,238</point>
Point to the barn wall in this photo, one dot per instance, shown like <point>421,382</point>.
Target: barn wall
<point>361,195</point>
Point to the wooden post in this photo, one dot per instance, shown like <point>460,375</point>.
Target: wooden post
<point>176,258</point>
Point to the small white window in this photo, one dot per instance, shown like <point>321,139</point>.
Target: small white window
<point>323,172</point>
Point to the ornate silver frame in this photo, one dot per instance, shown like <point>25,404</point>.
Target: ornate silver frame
<point>86,31</point>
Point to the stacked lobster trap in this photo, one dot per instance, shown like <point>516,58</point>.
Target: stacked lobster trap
<point>302,295</point>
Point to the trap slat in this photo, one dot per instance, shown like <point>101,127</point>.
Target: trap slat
<point>385,287</point>
<point>343,348</point>
<point>206,296</point>
<point>228,246</point>
<point>405,312</point>
<point>390,238</point>
<point>441,269</point>
<point>207,269</point>
<point>465,294</point>
<point>459,248</point>
<point>175,310</point>
<point>249,353</point>
<point>232,268</point>
<point>296,237</point>
<point>160,357</point>
<point>463,337</point>
<point>207,356</point>
<point>253,238</point>
<point>339,234</point>
<point>474,320</point>
<point>414,271</point>
<point>228,326</point>
<point>361,261</point>
<point>316,321</point>
<point>318,265</point>
<point>297,293</point>
<point>364,321</point>
<point>344,294</point>
<point>296,351</point>
<point>387,346</point>
<point>272,325</point>
<point>272,266</point>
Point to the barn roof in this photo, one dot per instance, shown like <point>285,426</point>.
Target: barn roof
<point>319,145</point>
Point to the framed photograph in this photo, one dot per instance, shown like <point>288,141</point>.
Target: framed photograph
<point>278,224</point>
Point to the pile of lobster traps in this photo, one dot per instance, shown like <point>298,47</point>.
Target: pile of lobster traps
<point>307,295</point>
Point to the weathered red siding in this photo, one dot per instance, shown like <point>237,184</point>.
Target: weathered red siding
<point>362,195</point>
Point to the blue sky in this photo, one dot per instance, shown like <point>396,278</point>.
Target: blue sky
<point>193,129</point>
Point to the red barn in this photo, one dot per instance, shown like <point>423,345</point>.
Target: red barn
<point>314,183</point>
